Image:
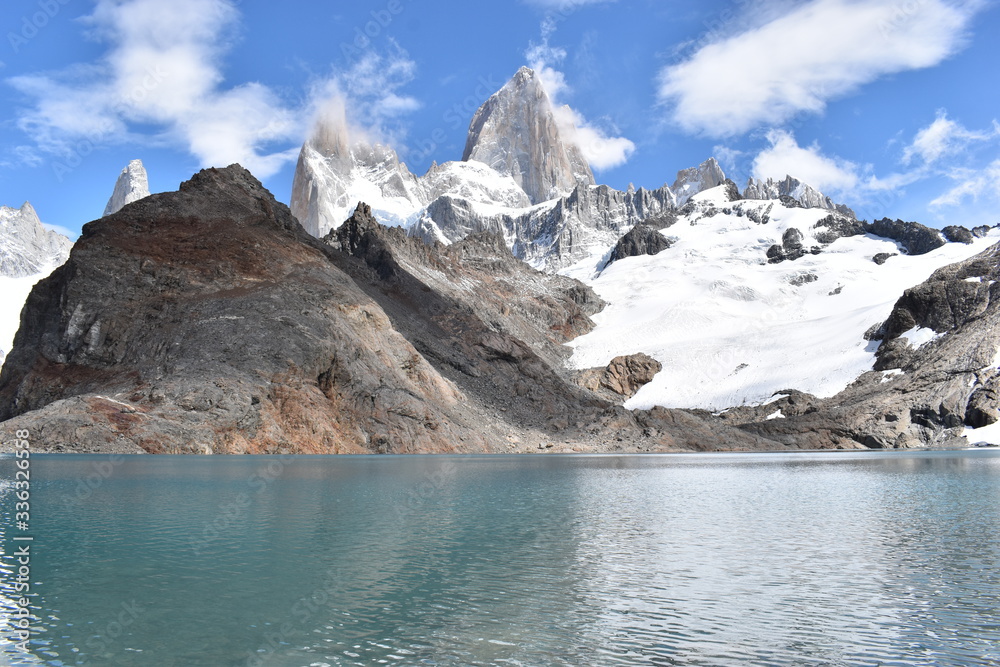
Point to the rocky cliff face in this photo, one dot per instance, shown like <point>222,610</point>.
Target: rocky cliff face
<point>132,185</point>
<point>516,133</point>
<point>208,320</point>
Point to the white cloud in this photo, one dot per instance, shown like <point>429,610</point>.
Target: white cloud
<point>728,157</point>
<point>972,184</point>
<point>59,229</point>
<point>598,144</point>
<point>365,100</point>
<point>786,158</point>
<point>162,68</point>
<point>797,62</point>
<point>943,137</point>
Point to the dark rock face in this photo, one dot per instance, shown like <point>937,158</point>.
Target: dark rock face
<point>790,249</point>
<point>208,320</point>
<point>623,377</point>
<point>958,234</point>
<point>732,191</point>
<point>983,408</point>
<point>641,240</point>
<point>883,257</point>
<point>838,226</point>
<point>790,202</point>
<point>981,231</point>
<point>915,238</point>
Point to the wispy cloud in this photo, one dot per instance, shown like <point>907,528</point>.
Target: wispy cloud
<point>971,184</point>
<point>365,102</point>
<point>785,157</point>
<point>799,61</point>
<point>602,149</point>
<point>943,138</point>
<point>160,80</point>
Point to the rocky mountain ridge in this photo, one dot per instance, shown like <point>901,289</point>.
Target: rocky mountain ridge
<point>208,320</point>
<point>537,190</point>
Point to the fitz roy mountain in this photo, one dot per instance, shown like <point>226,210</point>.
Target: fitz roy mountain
<point>505,303</point>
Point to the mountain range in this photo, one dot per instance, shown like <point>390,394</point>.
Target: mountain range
<point>504,302</point>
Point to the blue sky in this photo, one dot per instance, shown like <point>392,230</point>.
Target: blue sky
<point>890,106</point>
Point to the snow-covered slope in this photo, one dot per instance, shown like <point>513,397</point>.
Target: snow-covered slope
<point>132,185</point>
<point>28,253</point>
<point>729,327</point>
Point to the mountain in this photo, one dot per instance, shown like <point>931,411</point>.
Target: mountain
<point>516,133</point>
<point>132,185</point>
<point>804,194</point>
<point>741,300</point>
<point>337,170</point>
<point>935,378</point>
<point>691,181</point>
<point>28,252</point>
<point>208,320</point>
<point>522,176</point>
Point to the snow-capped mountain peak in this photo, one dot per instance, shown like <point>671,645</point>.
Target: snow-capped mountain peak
<point>517,133</point>
<point>697,179</point>
<point>792,187</point>
<point>132,185</point>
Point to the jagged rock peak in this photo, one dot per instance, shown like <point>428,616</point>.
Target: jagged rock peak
<point>691,181</point>
<point>26,246</point>
<point>336,164</point>
<point>132,185</point>
<point>792,187</point>
<point>516,132</point>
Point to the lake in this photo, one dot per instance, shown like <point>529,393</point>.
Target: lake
<point>869,558</point>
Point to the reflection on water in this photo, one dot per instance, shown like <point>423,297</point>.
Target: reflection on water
<point>804,559</point>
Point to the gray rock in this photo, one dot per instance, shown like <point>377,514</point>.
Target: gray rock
<point>883,257</point>
<point>623,377</point>
<point>516,133</point>
<point>915,238</point>
<point>958,234</point>
<point>641,240</point>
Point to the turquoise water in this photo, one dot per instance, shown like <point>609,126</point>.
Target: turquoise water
<point>807,559</point>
